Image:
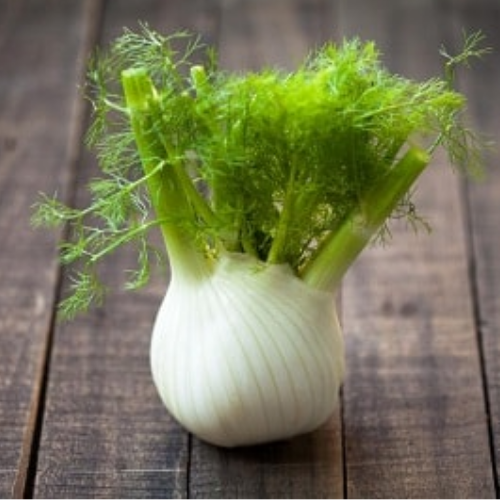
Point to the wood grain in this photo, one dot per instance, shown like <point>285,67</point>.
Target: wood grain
<point>415,422</point>
<point>306,467</point>
<point>105,433</point>
<point>37,131</point>
<point>79,415</point>
<point>253,35</point>
<point>256,34</point>
<point>483,199</point>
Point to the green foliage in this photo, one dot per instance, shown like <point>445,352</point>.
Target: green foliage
<point>268,163</point>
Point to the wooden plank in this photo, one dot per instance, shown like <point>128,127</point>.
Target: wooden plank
<point>106,434</point>
<point>253,34</point>
<point>484,199</point>
<point>415,422</point>
<point>309,466</point>
<point>36,139</point>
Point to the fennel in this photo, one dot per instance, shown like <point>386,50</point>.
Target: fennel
<point>266,186</point>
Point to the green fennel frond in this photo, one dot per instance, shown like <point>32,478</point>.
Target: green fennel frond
<point>85,290</point>
<point>282,166</point>
<point>472,49</point>
<point>465,149</point>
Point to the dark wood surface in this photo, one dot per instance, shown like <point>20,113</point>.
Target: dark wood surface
<point>79,416</point>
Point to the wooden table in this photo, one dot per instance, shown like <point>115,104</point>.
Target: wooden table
<point>79,416</point>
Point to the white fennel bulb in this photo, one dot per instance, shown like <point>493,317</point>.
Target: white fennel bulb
<point>249,355</point>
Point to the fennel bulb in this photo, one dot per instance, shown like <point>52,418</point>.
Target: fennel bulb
<point>266,187</point>
<point>249,355</point>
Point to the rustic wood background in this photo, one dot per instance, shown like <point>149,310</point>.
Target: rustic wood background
<point>79,416</point>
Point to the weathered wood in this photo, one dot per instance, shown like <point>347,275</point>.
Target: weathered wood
<point>484,198</point>
<point>415,422</point>
<point>105,433</point>
<point>37,132</point>
<point>416,416</point>
<point>309,466</point>
<point>253,35</point>
<point>256,34</point>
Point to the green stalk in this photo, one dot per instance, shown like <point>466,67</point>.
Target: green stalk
<point>327,267</point>
<point>168,193</point>
<point>277,252</point>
